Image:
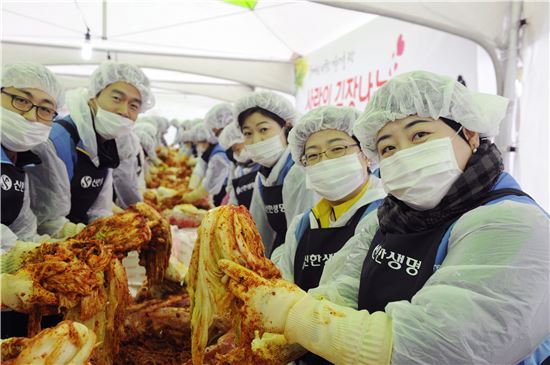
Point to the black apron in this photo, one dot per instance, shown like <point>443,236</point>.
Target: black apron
<point>13,192</point>
<point>140,164</point>
<point>275,211</point>
<point>398,265</point>
<point>88,180</point>
<point>315,247</point>
<point>244,187</point>
<point>218,198</point>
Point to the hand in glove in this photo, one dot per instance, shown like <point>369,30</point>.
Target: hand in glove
<point>195,181</point>
<point>267,300</point>
<point>69,229</point>
<point>197,194</point>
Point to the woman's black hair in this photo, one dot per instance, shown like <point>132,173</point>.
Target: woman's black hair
<point>266,113</point>
<point>456,126</point>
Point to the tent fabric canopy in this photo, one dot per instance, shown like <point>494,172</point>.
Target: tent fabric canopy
<point>254,47</point>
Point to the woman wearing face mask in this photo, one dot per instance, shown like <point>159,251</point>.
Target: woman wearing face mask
<point>30,97</point>
<point>454,270</point>
<point>337,170</point>
<point>74,182</point>
<point>280,194</point>
<point>243,175</point>
<point>217,166</point>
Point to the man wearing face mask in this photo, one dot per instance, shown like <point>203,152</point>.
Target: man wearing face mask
<point>280,193</point>
<point>454,267</point>
<point>30,97</point>
<point>243,174</point>
<point>74,184</point>
<point>217,166</point>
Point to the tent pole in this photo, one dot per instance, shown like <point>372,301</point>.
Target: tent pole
<point>506,139</point>
<point>104,28</point>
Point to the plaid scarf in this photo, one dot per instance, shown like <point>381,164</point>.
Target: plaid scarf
<point>478,178</point>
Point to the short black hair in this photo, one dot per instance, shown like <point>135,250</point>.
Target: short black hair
<point>456,126</point>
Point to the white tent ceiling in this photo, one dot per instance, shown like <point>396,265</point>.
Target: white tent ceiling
<point>252,48</point>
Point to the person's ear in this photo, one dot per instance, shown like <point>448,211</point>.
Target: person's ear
<point>473,139</point>
<point>93,105</point>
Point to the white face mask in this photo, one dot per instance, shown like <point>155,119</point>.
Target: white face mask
<point>110,125</point>
<point>243,156</point>
<point>19,134</point>
<point>267,152</point>
<point>334,179</point>
<point>421,176</point>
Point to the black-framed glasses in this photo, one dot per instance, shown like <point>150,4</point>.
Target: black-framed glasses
<point>333,152</point>
<point>25,105</point>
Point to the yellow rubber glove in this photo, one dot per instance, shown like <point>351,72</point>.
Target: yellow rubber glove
<point>197,194</point>
<point>340,334</point>
<point>117,209</point>
<point>195,181</point>
<point>268,300</point>
<point>274,348</point>
<point>69,229</point>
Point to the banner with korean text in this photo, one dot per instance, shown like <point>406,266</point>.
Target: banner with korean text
<point>349,70</point>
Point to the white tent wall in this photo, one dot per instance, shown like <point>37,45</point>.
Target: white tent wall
<point>532,161</point>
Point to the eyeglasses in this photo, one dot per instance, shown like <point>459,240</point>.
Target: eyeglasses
<point>25,105</point>
<point>333,152</point>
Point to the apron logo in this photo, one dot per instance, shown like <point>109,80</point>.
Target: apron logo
<point>87,182</point>
<point>244,188</point>
<point>6,182</point>
<point>274,208</point>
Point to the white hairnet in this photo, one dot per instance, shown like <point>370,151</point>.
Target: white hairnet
<point>34,76</point>
<point>187,136</point>
<point>162,123</point>
<point>189,123</point>
<point>219,116</point>
<point>147,125</point>
<point>427,94</point>
<point>318,119</point>
<point>231,135</point>
<point>270,101</point>
<point>201,133</point>
<point>110,72</point>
